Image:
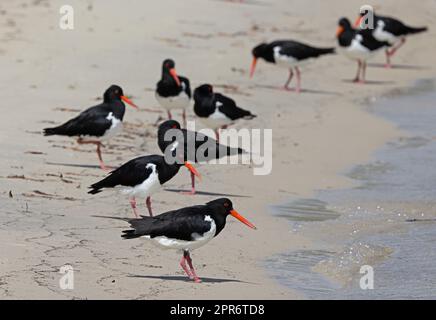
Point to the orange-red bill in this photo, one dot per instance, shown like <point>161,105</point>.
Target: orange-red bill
<point>358,21</point>
<point>128,101</point>
<point>192,169</point>
<point>253,67</point>
<point>242,219</point>
<point>173,74</point>
<point>339,31</point>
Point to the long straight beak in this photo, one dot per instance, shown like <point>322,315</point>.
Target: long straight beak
<point>242,219</point>
<point>358,21</point>
<point>253,67</point>
<point>339,31</point>
<point>128,101</point>
<point>193,170</point>
<point>173,74</point>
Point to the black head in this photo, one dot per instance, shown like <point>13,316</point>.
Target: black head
<point>112,93</point>
<point>222,207</point>
<point>205,90</point>
<point>168,64</point>
<point>343,25</point>
<point>169,124</point>
<point>169,71</point>
<point>115,93</point>
<point>260,51</point>
<point>263,51</point>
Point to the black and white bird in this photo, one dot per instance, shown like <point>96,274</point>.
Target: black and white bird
<point>358,45</point>
<point>173,91</point>
<point>196,147</point>
<point>216,110</point>
<point>287,54</point>
<point>97,124</point>
<point>387,29</point>
<point>185,229</point>
<point>142,176</point>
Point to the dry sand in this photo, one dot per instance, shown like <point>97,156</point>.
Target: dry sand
<point>49,221</point>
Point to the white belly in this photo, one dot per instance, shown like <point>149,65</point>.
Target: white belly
<point>200,240</point>
<point>287,62</point>
<point>382,36</point>
<point>216,120</point>
<point>356,51</point>
<point>178,102</point>
<point>147,188</point>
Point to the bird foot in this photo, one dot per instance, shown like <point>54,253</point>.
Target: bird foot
<point>197,280</point>
<point>188,193</point>
<point>388,66</point>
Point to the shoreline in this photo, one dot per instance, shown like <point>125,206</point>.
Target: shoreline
<point>310,130</point>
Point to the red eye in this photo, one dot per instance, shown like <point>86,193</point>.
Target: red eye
<point>174,126</point>
<point>226,204</point>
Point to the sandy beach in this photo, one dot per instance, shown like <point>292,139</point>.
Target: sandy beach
<point>47,219</point>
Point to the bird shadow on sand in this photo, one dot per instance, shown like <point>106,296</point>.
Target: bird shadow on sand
<point>369,82</point>
<point>186,279</point>
<point>205,193</point>
<point>77,165</point>
<point>397,66</point>
<point>293,91</point>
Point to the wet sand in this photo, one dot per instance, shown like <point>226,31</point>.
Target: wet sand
<point>49,74</point>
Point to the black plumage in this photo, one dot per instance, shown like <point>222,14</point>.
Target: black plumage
<point>217,110</point>
<point>289,54</point>
<point>185,229</point>
<point>141,176</point>
<point>97,123</point>
<point>135,172</point>
<point>195,146</point>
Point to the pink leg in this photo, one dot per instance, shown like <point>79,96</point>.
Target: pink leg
<point>99,145</point>
<point>362,80</point>
<point>217,135</point>
<point>192,192</point>
<point>194,275</point>
<point>286,86</point>
<point>298,87</point>
<point>148,203</point>
<point>184,267</point>
<point>184,118</point>
<point>359,66</point>
<point>388,59</point>
<point>169,115</point>
<point>133,205</point>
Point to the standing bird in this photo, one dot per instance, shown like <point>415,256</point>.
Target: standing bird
<point>185,229</point>
<point>173,91</point>
<point>390,30</point>
<point>98,123</point>
<point>287,54</point>
<point>195,146</point>
<point>216,110</point>
<point>142,176</point>
<point>357,45</point>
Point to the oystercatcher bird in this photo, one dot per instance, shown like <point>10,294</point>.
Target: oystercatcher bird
<point>98,123</point>
<point>390,30</point>
<point>173,91</point>
<point>287,54</point>
<point>185,229</point>
<point>142,176</point>
<point>357,45</point>
<point>195,146</point>
<point>216,110</point>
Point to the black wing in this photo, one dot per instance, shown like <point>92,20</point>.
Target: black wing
<point>230,109</point>
<point>397,28</point>
<point>91,122</point>
<point>301,51</point>
<point>178,224</point>
<point>130,174</point>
